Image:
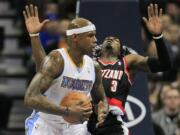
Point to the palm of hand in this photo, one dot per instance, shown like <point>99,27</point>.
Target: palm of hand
<point>33,25</point>
<point>154,22</point>
<point>154,25</point>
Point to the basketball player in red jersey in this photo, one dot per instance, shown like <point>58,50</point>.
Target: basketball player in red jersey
<point>118,71</point>
<point>63,71</point>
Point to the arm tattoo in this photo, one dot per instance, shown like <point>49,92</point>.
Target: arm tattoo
<point>51,67</point>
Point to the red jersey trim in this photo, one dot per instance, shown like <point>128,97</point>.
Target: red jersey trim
<point>107,62</point>
<point>116,102</point>
<point>127,70</point>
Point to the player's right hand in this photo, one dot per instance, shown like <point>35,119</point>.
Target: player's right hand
<point>82,113</point>
<point>31,17</point>
<point>103,109</point>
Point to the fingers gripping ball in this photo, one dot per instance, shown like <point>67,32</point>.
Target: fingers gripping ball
<point>75,98</point>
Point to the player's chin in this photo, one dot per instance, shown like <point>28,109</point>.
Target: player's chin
<point>89,52</point>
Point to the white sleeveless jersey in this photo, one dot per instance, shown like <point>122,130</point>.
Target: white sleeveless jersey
<point>71,79</point>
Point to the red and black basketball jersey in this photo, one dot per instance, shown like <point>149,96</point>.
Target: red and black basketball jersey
<point>116,80</point>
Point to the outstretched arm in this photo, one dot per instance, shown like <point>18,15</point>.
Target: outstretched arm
<point>98,95</point>
<point>162,63</point>
<point>34,26</point>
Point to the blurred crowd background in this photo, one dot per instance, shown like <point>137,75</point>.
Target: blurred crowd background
<point>17,66</point>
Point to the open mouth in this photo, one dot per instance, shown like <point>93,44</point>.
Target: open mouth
<point>108,45</point>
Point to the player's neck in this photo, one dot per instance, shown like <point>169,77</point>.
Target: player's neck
<point>76,56</point>
<point>109,57</point>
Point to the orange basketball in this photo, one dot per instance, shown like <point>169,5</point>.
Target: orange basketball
<point>75,98</point>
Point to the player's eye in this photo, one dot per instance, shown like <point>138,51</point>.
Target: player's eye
<point>91,35</point>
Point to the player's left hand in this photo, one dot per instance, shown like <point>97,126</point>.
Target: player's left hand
<point>154,22</point>
<point>103,110</point>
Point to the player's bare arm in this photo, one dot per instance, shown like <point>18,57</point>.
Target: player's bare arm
<point>50,68</point>
<point>154,25</point>
<point>98,95</point>
<point>34,26</point>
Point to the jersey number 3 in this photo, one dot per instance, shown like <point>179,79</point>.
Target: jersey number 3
<point>114,85</point>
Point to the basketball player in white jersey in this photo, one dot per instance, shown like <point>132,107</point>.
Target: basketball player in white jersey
<point>62,71</point>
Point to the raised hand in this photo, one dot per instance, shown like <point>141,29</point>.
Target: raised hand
<point>31,17</point>
<point>153,22</point>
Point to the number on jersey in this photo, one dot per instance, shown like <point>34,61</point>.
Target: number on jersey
<point>114,85</point>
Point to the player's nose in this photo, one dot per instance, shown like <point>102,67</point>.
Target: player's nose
<point>95,40</point>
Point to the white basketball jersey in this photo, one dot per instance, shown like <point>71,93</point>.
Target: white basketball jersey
<point>71,79</point>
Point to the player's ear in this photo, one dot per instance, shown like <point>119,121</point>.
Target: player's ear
<point>74,38</point>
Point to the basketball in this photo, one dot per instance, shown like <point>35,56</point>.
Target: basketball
<point>75,98</point>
